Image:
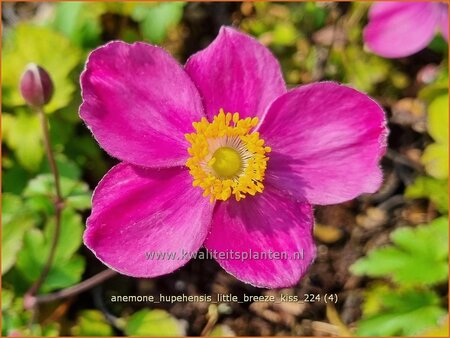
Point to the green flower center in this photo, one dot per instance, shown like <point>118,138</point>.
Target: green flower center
<point>227,162</point>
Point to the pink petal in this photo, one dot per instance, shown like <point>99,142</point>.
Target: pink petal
<point>401,29</point>
<point>264,223</point>
<point>326,141</point>
<point>381,8</point>
<point>139,210</point>
<point>139,103</point>
<point>236,73</point>
<point>444,20</point>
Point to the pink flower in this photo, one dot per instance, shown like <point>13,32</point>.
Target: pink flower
<point>240,182</point>
<point>398,29</point>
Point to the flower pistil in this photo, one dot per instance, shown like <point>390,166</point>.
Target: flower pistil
<point>226,157</point>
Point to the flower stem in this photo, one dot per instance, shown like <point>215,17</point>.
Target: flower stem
<point>31,299</point>
<point>49,152</point>
<point>78,288</point>
<point>58,204</point>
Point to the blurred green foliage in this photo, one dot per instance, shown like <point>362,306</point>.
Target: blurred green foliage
<point>417,259</point>
<point>418,256</point>
<point>405,301</point>
<point>16,220</point>
<point>221,330</point>
<point>67,267</point>
<point>434,190</point>
<point>153,323</point>
<point>40,45</point>
<point>156,20</point>
<point>400,312</point>
<point>435,156</point>
<point>92,323</point>
<point>22,134</point>
<point>313,41</point>
<point>17,322</point>
<point>79,22</point>
<point>311,45</point>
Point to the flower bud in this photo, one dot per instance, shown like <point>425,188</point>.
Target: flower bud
<point>36,86</point>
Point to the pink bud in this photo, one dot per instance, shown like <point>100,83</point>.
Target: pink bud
<point>36,86</point>
<point>29,302</point>
<point>15,333</point>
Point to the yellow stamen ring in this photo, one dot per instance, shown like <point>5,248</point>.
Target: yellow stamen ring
<point>226,159</point>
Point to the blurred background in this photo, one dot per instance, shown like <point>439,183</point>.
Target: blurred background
<point>384,256</point>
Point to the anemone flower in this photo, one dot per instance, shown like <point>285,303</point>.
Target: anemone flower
<point>398,29</point>
<point>220,154</point>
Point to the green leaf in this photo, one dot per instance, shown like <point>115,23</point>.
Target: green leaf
<point>125,8</point>
<point>426,240</point>
<point>16,220</point>
<point>40,191</point>
<point>79,21</point>
<point>43,46</point>
<point>156,20</point>
<point>12,238</point>
<point>66,168</point>
<point>22,134</point>
<point>7,298</point>
<point>70,237</point>
<point>433,189</point>
<point>402,313</point>
<point>372,301</point>
<point>67,268</point>
<point>435,156</point>
<point>11,204</point>
<point>92,323</point>
<point>64,276</point>
<point>221,330</point>
<point>435,159</point>
<point>362,70</point>
<point>16,320</point>
<point>14,317</point>
<point>439,44</point>
<point>418,256</point>
<point>314,15</point>
<point>50,330</point>
<point>439,331</point>
<point>87,154</point>
<point>153,323</point>
<point>285,34</point>
<point>14,177</point>
<point>66,17</point>
<point>438,119</point>
<point>437,88</point>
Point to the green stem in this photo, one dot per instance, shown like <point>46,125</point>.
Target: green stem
<point>58,204</point>
<point>78,288</point>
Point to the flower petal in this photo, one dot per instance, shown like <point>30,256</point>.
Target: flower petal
<point>139,103</point>
<point>444,21</point>
<point>326,140</point>
<point>236,73</point>
<point>401,29</point>
<point>138,210</point>
<point>264,224</point>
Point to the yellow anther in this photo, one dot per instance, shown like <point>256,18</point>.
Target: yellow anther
<point>235,117</point>
<point>211,162</point>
